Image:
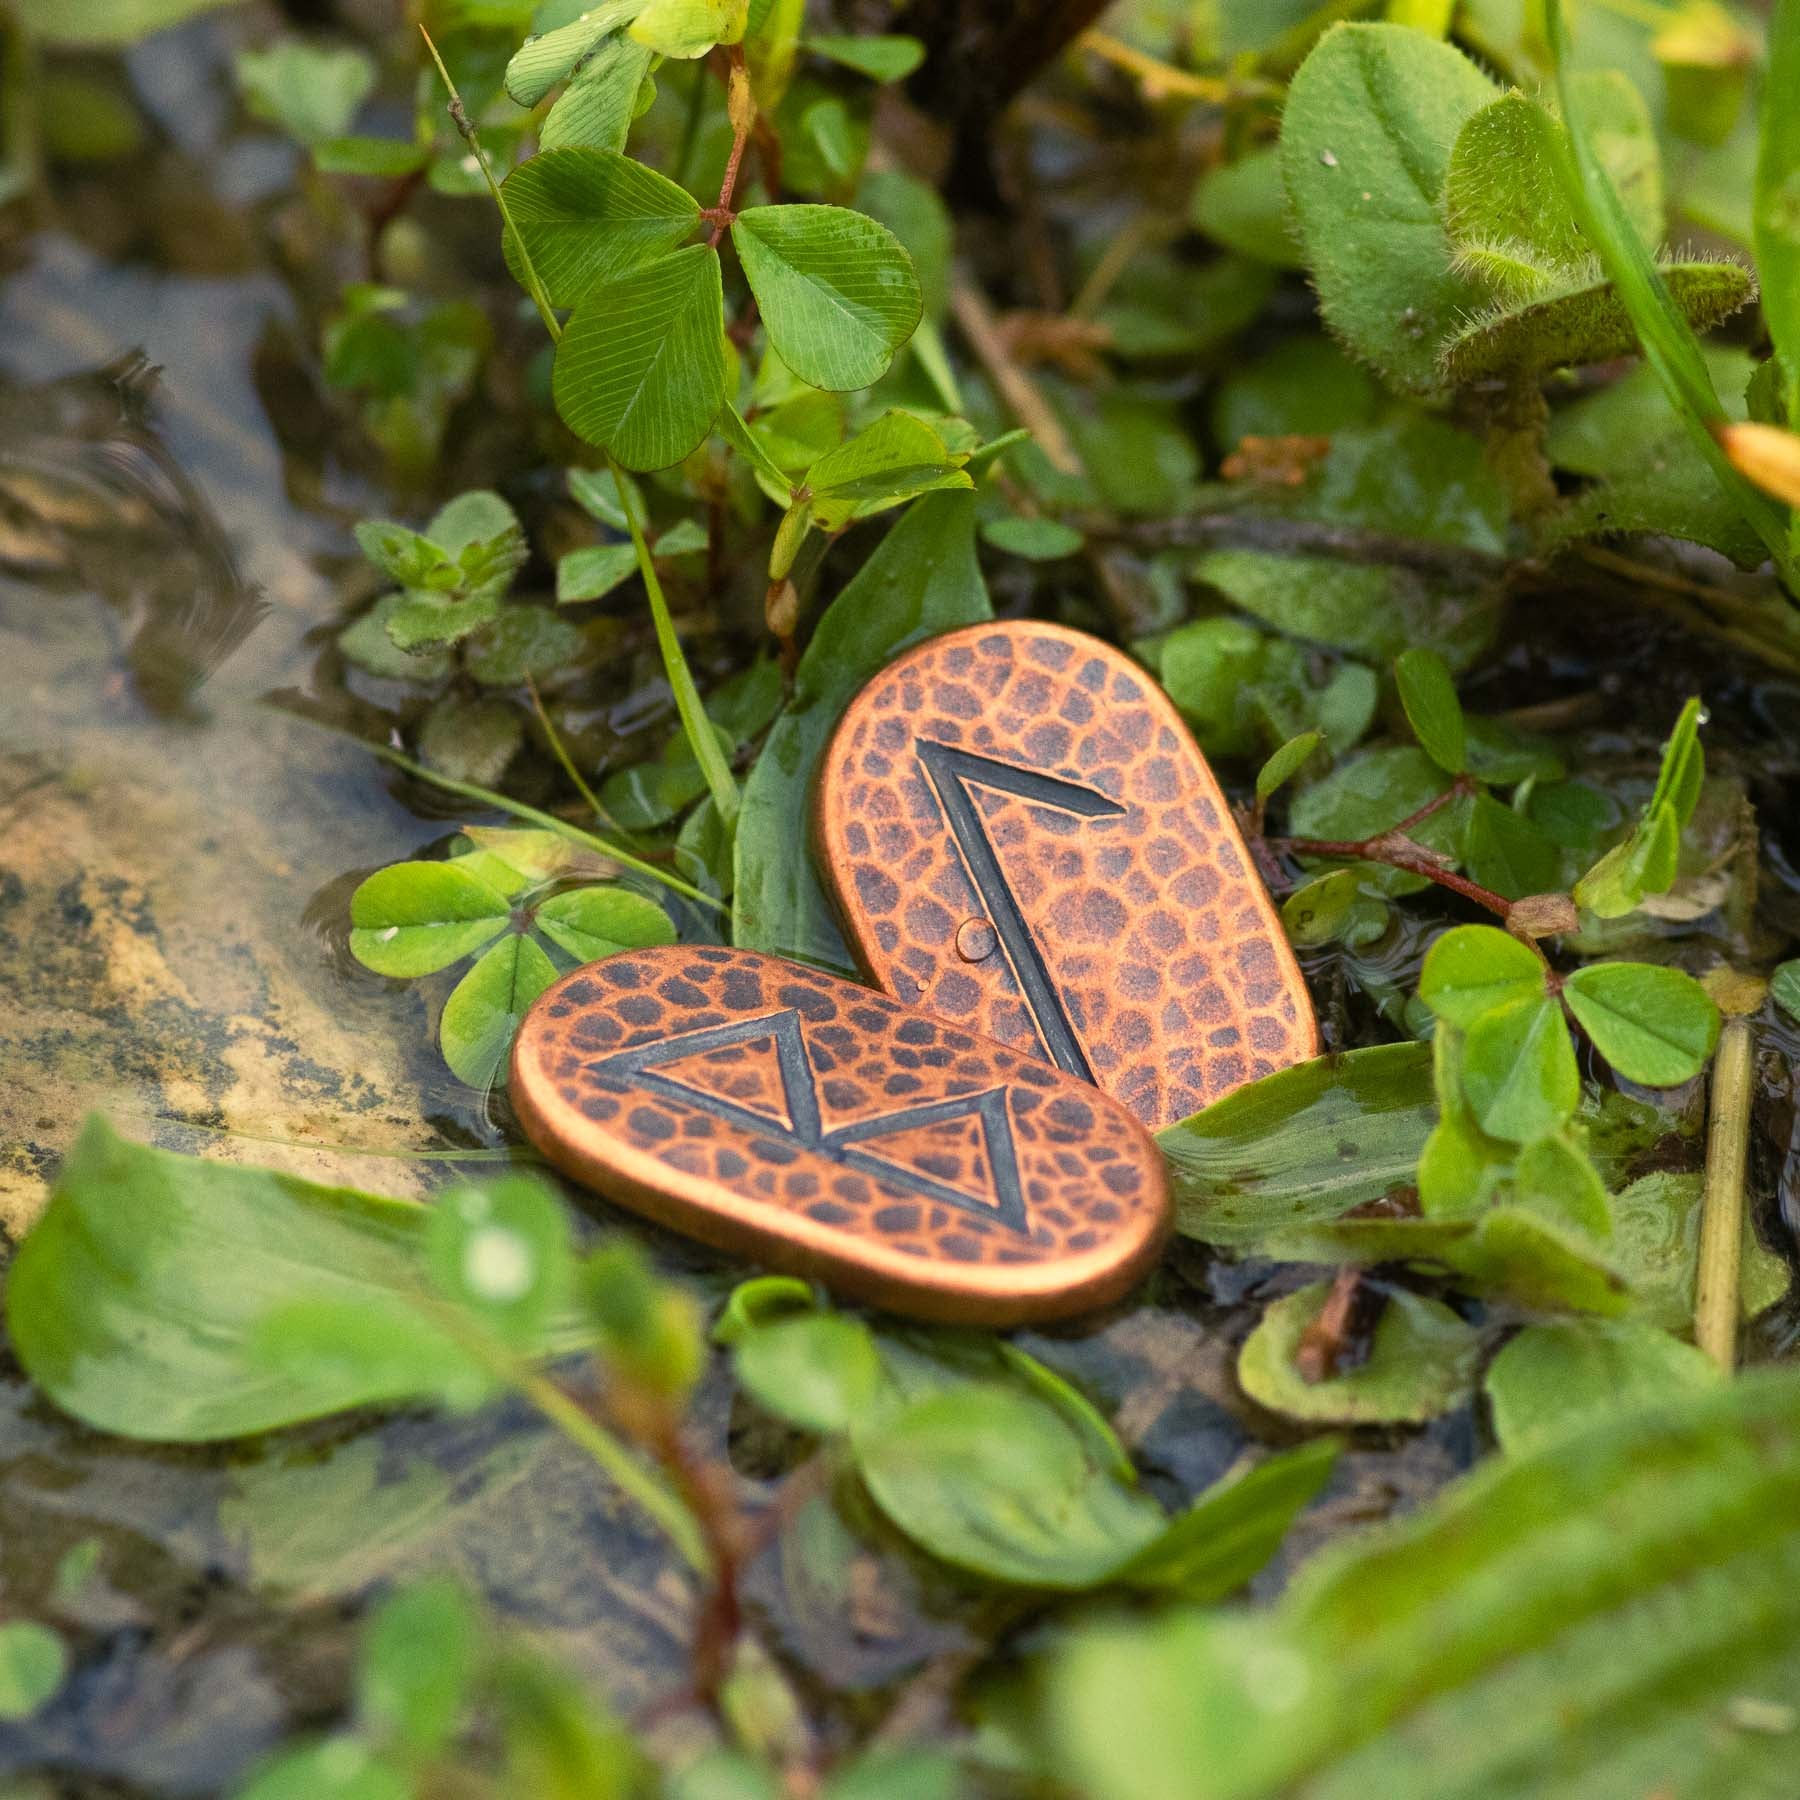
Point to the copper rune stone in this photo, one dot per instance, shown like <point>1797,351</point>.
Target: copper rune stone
<point>780,1113</point>
<point>1037,779</point>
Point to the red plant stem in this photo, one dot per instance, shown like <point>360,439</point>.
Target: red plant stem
<point>722,214</point>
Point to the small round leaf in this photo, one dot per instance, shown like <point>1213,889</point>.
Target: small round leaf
<point>1655,1026</point>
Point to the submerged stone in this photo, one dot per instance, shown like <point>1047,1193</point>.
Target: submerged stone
<point>783,1114</point>
<point>1023,838</point>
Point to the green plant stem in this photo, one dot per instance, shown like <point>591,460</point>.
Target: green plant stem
<point>1722,1206</point>
<point>519,810</point>
<point>694,722</point>
<point>702,740</point>
<point>677,1523</point>
<point>560,751</point>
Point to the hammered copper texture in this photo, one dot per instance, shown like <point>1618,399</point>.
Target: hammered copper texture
<point>776,1111</point>
<point>1132,888</point>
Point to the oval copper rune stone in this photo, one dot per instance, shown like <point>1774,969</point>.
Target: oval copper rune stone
<point>1029,789</point>
<point>781,1113</point>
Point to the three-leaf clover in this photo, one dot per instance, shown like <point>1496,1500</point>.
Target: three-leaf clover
<point>1656,1026</point>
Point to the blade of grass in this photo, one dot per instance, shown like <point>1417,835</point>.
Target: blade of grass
<point>688,704</point>
<point>1777,200</point>
<point>519,810</point>
<point>1667,340</point>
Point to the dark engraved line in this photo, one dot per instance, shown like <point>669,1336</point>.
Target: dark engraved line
<point>950,772</point>
<point>989,1108</point>
<point>799,1083</point>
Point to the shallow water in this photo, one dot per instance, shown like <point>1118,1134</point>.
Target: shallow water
<point>175,860</point>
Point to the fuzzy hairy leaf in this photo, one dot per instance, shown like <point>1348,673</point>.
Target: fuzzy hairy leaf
<point>1584,321</point>
<point>1365,144</point>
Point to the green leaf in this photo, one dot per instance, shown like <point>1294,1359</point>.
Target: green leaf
<point>1519,1069</point>
<point>1472,969</point>
<point>417,1665</point>
<point>1421,1362</point>
<point>1366,135</point>
<point>368,643</point>
<point>924,578</point>
<point>422,621</point>
<point>543,61</point>
<point>1286,763</point>
<point>1667,341</point>
<point>1509,216</point>
<point>471,740</point>
<point>1656,1240</point>
<point>1208,667</point>
<point>1784,985</point>
<point>500,1253</point>
<point>405,556</point>
<point>592,922</point>
<point>1305,385</point>
<point>133,1301</point>
<point>1507,1251</point>
<point>311,91</point>
<point>1706,56</point>
<point>1655,1026</point>
<point>1303,1144</point>
<point>1504,850</point>
<point>481,1017</point>
<point>1244,206</point>
<point>891,460</point>
<point>603,496</point>
<point>385,158</point>
<point>1370,610</point>
<point>1584,321</point>
<point>33,1662</point>
<point>594,572</point>
<point>1555,1380</point>
<point>1432,708</point>
<point>1036,540</point>
<point>837,291</point>
<point>1777,199</point>
<point>526,643</point>
<point>340,1768</point>
<point>993,1482</point>
<point>1414,476</point>
<point>916,214</point>
<point>881,58</point>
<point>1231,1531</point>
<point>1371,794</point>
<point>1592,1608</point>
<point>689,28</point>
<point>818,1371</point>
<point>415,917</point>
<point>588,217</point>
<point>1554,1176</point>
<point>610,90</point>
<point>640,370</point>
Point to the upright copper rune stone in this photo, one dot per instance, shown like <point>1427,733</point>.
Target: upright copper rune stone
<point>1023,839</point>
<point>775,1111</point>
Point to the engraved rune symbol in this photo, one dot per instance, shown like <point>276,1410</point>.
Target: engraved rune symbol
<point>641,1068</point>
<point>952,772</point>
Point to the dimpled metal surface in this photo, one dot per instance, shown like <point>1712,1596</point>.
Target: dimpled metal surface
<point>775,1111</point>
<point>1022,837</point>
